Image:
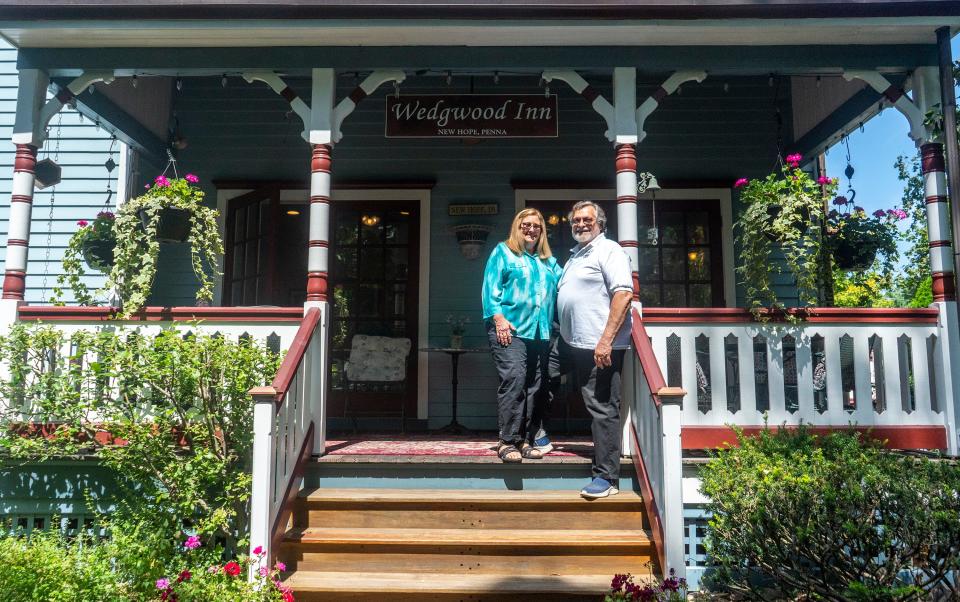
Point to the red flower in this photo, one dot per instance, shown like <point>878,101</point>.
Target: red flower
<point>231,568</point>
<point>184,576</point>
<point>287,597</point>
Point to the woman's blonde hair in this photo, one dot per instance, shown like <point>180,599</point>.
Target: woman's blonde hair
<point>515,239</point>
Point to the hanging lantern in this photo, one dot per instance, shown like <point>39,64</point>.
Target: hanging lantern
<point>46,174</point>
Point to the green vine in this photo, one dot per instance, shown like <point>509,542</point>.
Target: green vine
<point>135,257</point>
<point>78,252</point>
<point>783,210</point>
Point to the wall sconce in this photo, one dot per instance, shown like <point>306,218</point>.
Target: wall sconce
<point>370,220</point>
<point>472,238</point>
<point>647,181</point>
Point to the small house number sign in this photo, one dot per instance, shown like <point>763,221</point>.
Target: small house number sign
<point>472,116</point>
<point>473,209</point>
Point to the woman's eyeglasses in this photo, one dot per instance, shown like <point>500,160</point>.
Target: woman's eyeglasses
<point>531,227</point>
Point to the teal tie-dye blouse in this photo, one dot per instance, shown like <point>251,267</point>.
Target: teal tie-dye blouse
<point>523,289</point>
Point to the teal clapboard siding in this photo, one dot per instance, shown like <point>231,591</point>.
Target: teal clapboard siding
<point>81,149</point>
<point>246,132</point>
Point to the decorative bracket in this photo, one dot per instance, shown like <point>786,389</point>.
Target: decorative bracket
<point>666,88</point>
<point>280,87</point>
<point>600,104</point>
<point>897,98</point>
<point>51,107</point>
<point>367,87</point>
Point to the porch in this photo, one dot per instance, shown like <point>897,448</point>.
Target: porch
<point>334,230</point>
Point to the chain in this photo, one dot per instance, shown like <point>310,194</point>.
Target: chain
<point>53,200</point>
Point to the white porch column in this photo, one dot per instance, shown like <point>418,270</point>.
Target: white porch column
<point>625,140</point>
<point>317,252</point>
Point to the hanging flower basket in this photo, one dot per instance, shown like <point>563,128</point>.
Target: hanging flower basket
<point>98,254</point>
<point>856,239</point>
<point>800,225</point>
<point>174,224</point>
<point>851,256</point>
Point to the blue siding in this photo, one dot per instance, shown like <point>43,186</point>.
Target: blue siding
<point>81,149</point>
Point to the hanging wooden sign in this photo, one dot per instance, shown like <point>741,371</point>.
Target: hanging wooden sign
<point>472,116</point>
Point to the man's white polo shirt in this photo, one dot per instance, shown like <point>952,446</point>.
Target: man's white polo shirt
<point>590,277</point>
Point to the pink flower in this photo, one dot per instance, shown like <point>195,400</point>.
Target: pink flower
<point>900,213</point>
<point>191,178</point>
<point>264,571</point>
<point>161,181</point>
<point>794,159</point>
<point>82,223</point>
<point>824,180</point>
<point>281,567</point>
<point>288,596</point>
<point>106,215</point>
<point>163,583</point>
<point>741,182</point>
<point>232,568</point>
<point>192,542</point>
<point>258,550</point>
<point>879,213</point>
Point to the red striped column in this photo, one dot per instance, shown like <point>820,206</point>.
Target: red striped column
<point>938,222</point>
<point>627,208</point>
<point>18,235</point>
<point>317,254</point>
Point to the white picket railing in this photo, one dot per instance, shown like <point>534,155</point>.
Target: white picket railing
<point>288,427</point>
<point>656,449</point>
<point>838,367</point>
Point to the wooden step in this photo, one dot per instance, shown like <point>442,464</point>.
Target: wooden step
<point>479,509</point>
<point>497,538</point>
<point>317,585</point>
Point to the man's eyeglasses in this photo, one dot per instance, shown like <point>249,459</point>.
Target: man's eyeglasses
<point>531,227</point>
<point>586,221</point>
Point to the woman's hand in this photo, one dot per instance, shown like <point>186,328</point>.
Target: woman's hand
<point>504,330</point>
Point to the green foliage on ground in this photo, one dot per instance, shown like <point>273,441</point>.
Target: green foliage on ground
<point>831,518</point>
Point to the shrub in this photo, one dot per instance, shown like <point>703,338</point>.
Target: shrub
<point>831,518</point>
<point>50,568</point>
<point>169,414</point>
<point>624,589</point>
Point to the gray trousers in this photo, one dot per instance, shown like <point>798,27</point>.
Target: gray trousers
<point>600,389</point>
<point>522,367</point>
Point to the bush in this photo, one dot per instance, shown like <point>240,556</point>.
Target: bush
<point>797,516</point>
<point>50,568</point>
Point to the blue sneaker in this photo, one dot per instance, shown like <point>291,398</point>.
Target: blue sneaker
<point>599,487</point>
<point>542,442</point>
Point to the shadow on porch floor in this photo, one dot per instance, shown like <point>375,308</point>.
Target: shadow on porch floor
<point>436,448</point>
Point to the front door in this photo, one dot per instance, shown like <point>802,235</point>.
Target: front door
<point>374,259</point>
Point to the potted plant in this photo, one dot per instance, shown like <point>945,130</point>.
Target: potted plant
<point>139,231</point>
<point>855,239</point>
<point>779,212</point>
<point>93,243</point>
<point>458,326</point>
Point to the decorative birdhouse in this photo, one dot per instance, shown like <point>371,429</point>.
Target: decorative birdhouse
<point>472,238</point>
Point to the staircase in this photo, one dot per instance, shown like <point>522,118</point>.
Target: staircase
<point>460,529</point>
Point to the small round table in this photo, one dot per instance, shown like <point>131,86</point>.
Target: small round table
<point>454,352</point>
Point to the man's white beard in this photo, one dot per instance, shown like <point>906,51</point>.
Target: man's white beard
<point>584,237</point>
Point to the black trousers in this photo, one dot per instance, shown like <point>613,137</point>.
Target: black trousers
<point>522,369</point>
<point>600,389</point>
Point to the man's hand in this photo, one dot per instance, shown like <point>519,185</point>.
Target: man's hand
<point>504,330</point>
<point>601,355</point>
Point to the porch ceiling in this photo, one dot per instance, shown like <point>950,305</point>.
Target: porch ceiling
<point>121,33</point>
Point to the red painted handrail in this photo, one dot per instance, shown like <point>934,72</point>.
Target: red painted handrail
<point>49,313</point>
<point>293,359</point>
<point>874,315</point>
<point>649,501</point>
<point>648,360</point>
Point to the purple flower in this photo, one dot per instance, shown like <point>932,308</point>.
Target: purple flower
<point>161,181</point>
<point>191,178</point>
<point>900,213</point>
<point>192,542</point>
<point>858,209</point>
<point>163,583</point>
<point>106,215</point>
<point>840,200</point>
<point>879,213</point>
<point>741,182</point>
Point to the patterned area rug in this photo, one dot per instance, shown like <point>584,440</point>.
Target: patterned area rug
<point>440,445</point>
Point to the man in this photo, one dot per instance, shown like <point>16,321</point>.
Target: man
<point>593,303</point>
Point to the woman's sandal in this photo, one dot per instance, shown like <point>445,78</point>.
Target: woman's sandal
<point>530,452</point>
<point>509,453</point>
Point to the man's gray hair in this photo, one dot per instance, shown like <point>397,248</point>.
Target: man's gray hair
<point>601,215</point>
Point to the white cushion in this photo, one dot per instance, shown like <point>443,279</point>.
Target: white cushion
<point>380,359</point>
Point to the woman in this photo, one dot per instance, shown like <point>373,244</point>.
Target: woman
<point>519,295</point>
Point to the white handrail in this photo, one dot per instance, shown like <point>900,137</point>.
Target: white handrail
<point>285,423</point>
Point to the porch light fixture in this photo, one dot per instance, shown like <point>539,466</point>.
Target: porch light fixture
<point>693,255</point>
<point>647,181</point>
<point>471,238</point>
<point>370,220</point>
<point>553,219</point>
<point>293,212</point>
